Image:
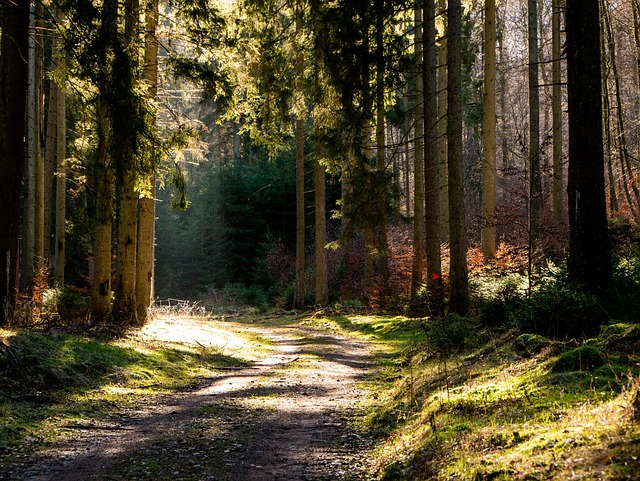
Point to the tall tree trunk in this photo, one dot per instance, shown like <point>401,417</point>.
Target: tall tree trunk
<point>556,106</point>
<point>61,186</point>
<point>13,81</point>
<point>608,152</point>
<point>38,242</point>
<point>125,282</point>
<point>442,124</point>
<point>382,243</point>
<point>459,286</point>
<point>50,165</point>
<point>489,134</point>
<point>535,180</point>
<point>33,147</point>
<point>298,295</point>
<point>147,208</point>
<point>418,170</point>
<point>322,280</point>
<point>589,252</point>
<point>431,160</point>
<point>100,306</point>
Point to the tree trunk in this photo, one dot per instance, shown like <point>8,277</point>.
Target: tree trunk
<point>556,106</point>
<point>382,244</point>
<point>459,286</point>
<point>13,81</point>
<point>418,170</point>
<point>322,281</point>
<point>147,208</point>
<point>298,295</point>
<point>125,312</point>
<point>100,307</point>
<point>431,160</point>
<point>33,147</point>
<point>101,284</point>
<point>589,252</point>
<point>50,166</point>
<point>61,186</point>
<point>442,125</point>
<point>488,233</point>
<point>39,266</point>
<point>535,181</point>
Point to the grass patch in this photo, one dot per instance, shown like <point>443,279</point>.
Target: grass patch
<point>51,379</point>
<point>498,405</point>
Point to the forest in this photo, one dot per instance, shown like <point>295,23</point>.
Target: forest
<point>404,233</point>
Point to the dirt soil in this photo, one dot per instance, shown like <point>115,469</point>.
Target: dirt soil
<point>285,416</point>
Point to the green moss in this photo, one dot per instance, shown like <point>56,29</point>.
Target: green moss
<point>530,344</point>
<point>583,358</point>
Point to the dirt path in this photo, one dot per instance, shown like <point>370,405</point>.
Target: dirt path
<point>284,417</point>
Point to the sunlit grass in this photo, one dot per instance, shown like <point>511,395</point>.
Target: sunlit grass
<point>55,379</point>
<point>494,412</point>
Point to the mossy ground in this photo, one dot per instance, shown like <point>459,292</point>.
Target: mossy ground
<point>502,405</point>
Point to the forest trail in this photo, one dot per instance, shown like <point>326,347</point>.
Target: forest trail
<point>284,416</point>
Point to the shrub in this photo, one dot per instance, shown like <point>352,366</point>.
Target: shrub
<point>560,311</point>
<point>448,333</point>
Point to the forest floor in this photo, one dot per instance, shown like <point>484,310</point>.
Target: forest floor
<point>282,412</point>
<point>313,397</point>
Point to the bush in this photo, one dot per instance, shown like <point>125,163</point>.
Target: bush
<point>560,311</point>
<point>448,333</point>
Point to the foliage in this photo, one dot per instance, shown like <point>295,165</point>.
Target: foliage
<point>448,334</point>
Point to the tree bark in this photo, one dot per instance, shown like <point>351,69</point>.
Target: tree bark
<point>431,160</point>
<point>556,106</point>
<point>535,180</point>
<point>125,307</point>
<point>459,285</point>
<point>100,306</point>
<point>488,233</point>
<point>382,243</point>
<point>298,296</point>
<point>147,203</point>
<point>13,81</point>
<point>61,186</point>
<point>442,124</point>
<point>589,252</point>
<point>322,281</point>
<point>418,170</point>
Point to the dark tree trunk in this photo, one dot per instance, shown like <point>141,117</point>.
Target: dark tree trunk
<point>458,286</point>
<point>589,251</point>
<point>13,91</point>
